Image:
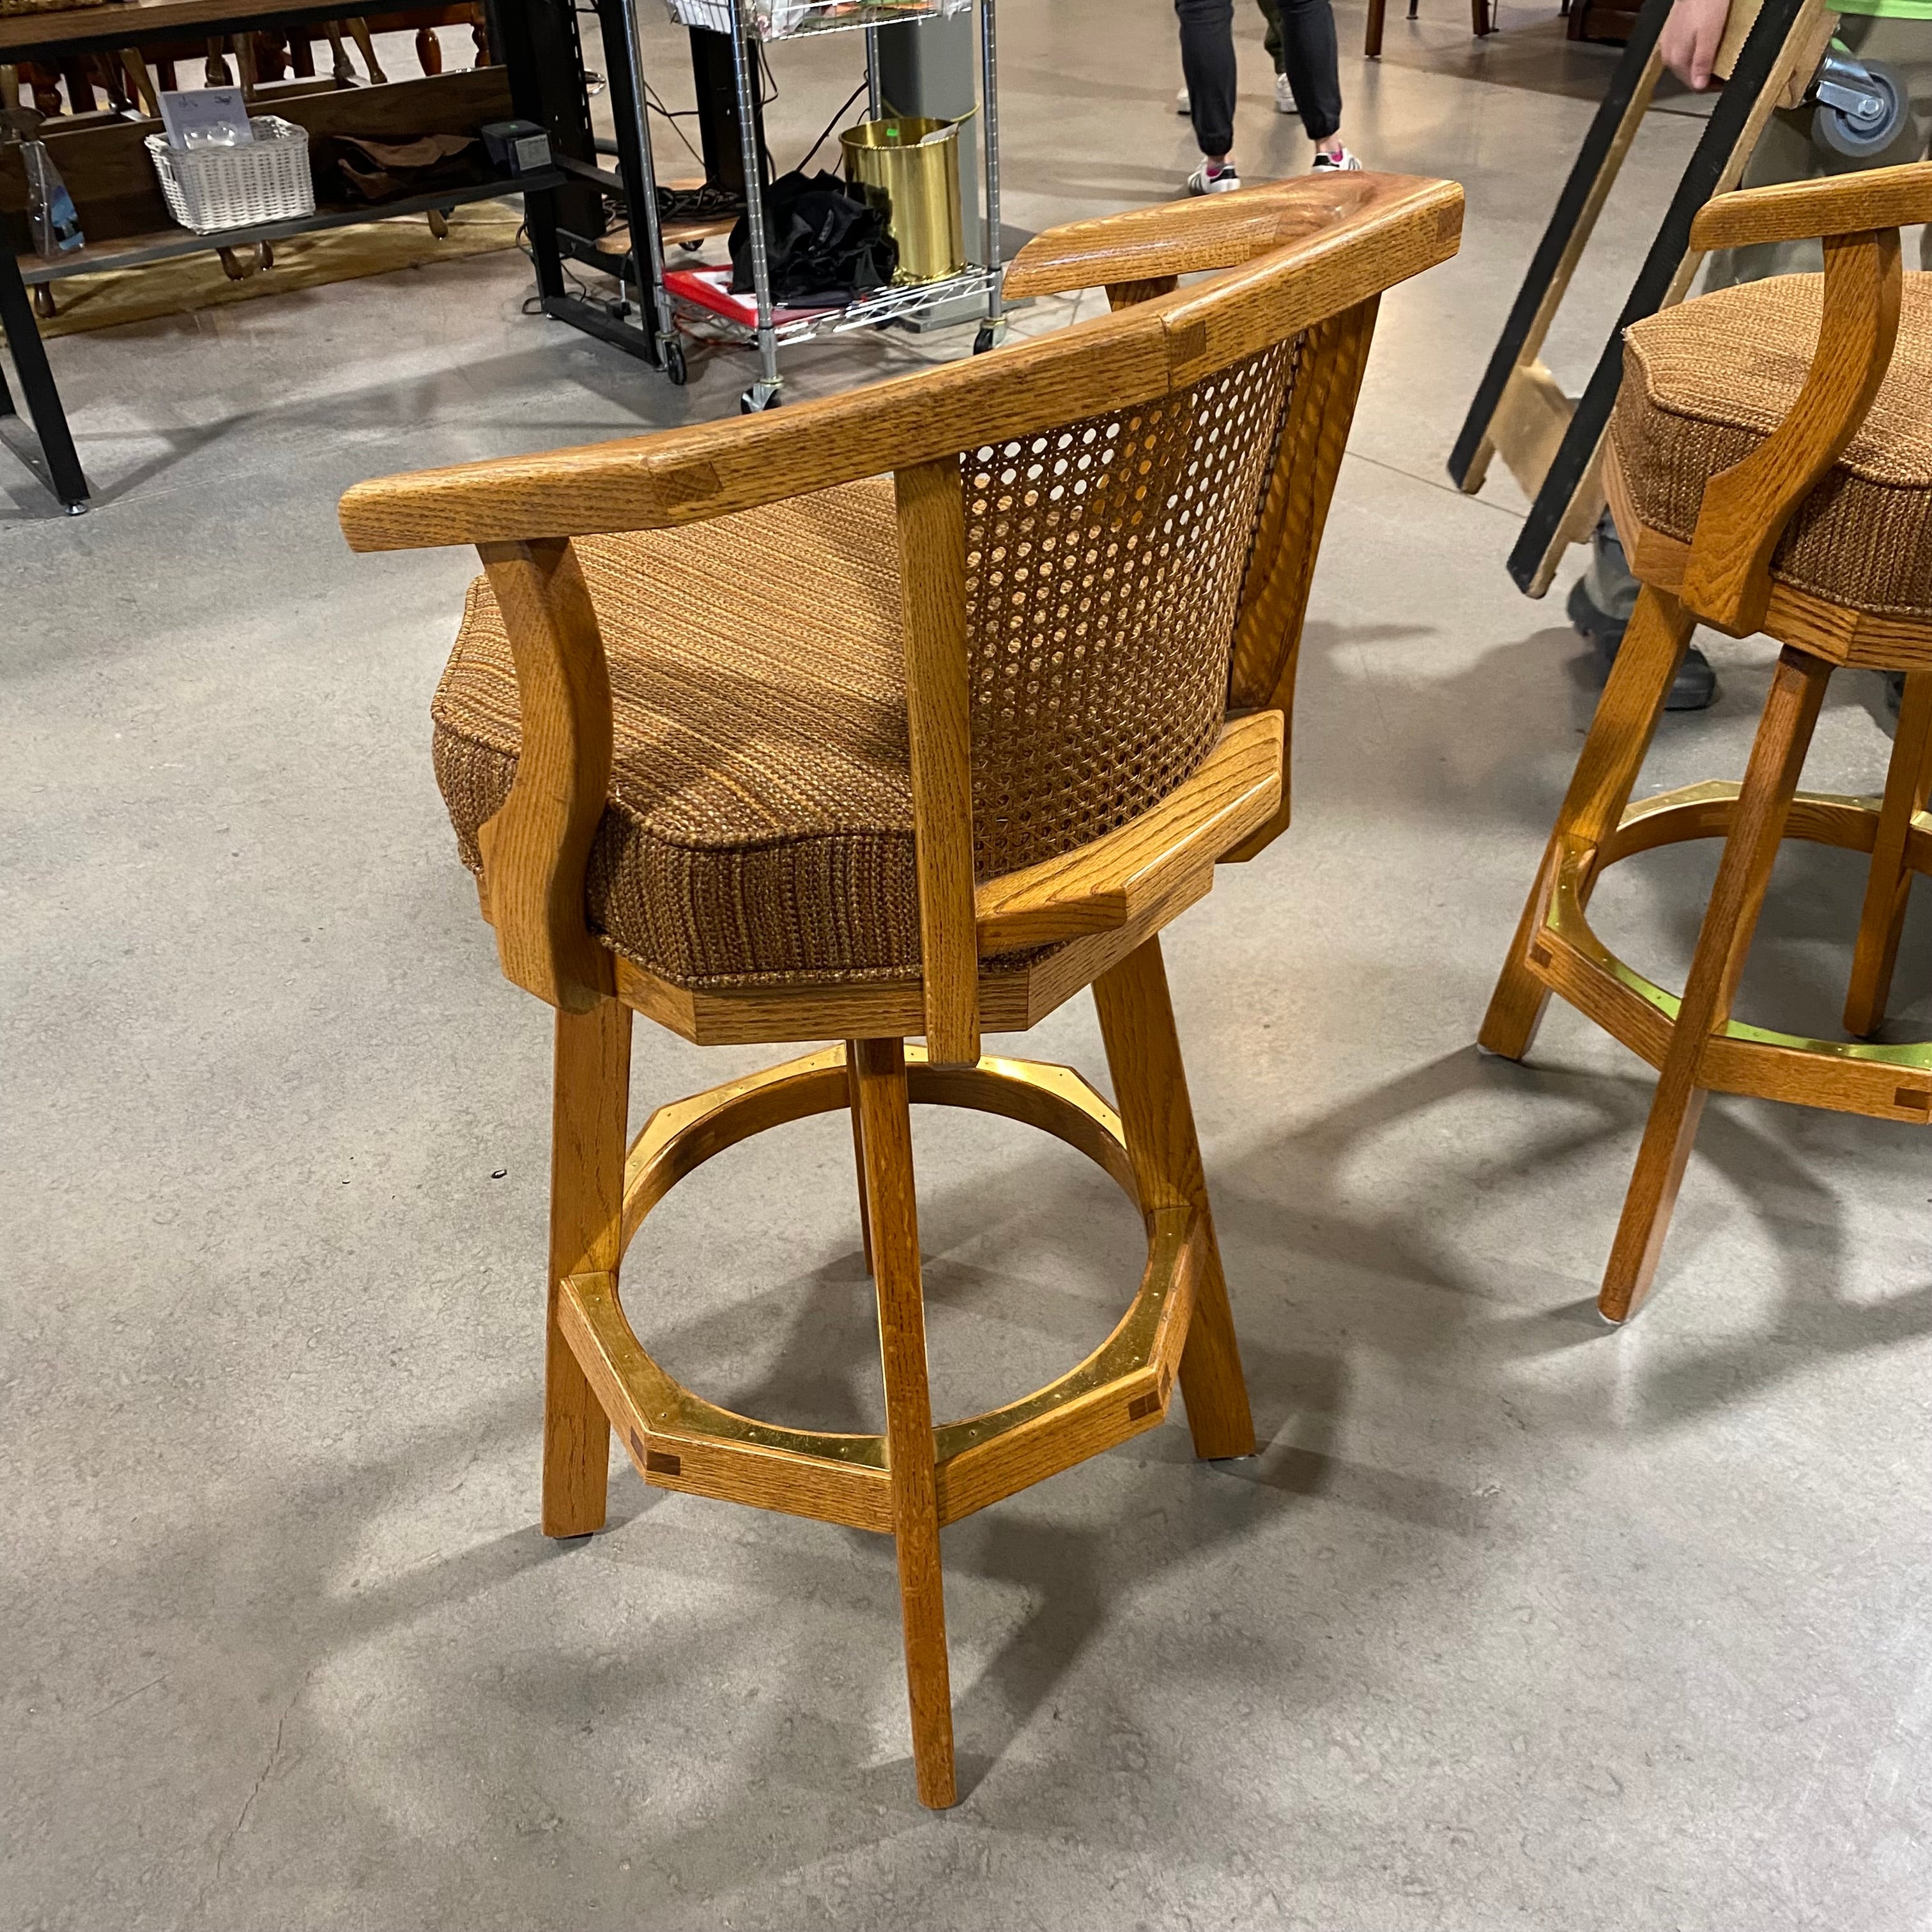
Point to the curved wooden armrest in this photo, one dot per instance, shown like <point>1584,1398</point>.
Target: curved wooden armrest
<point>1145,245</point>
<point>1797,210</point>
<point>1746,508</point>
<point>682,476</point>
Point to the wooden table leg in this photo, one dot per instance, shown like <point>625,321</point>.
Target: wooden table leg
<point>1372,41</point>
<point>590,1111</point>
<point>1599,788</point>
<point>1888,883</point>
<point>1764,802</point>
<point>1157,1121</point>
<point>886,1133</point>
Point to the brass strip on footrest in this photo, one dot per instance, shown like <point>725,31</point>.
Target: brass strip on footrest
<point>1845,1076</point>
<point>678,1441</point>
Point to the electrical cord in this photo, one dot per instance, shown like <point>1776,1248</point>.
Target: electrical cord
<point>811,153</point>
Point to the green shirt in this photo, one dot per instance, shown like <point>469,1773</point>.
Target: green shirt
<point>1886,10</point>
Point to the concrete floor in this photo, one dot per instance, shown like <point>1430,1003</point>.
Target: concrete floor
<point>1514,1622</point>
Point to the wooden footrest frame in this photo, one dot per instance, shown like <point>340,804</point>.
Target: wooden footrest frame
<point>678,1441</point>
<point>1892,1083</point>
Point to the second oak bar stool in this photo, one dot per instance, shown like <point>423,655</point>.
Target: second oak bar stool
<point>1770,469</point>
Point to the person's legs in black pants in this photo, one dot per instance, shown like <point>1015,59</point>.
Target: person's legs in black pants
<point>1208,66</point>
<point>1309,59</point>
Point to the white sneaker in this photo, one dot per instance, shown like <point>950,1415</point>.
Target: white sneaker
<point>1202,182</point>
<point>1340,162</point>
<point>1284,95</point>
<point>1182,105</point>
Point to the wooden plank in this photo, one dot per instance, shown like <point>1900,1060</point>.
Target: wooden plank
<point>1853,204</point>
<point>535,850</point>
<point>1099,886</point>
<point>639,1399</point>
<point>1157,1121</point>
<point>590,1111</point>
<point>1528,426</point>
<point>1723,939</point>
<point>1585,190</point>
<point>886,1134</point>
<point>939,733</point>
<point>118,23</point>
<point>683,476</point>
<point>1567,504</point>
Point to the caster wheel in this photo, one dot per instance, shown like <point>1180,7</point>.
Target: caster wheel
<point>759,397</point>
<point>1858,134</point>
<point>692,247</point>
<point>675,371</point>
<point>988,337</point>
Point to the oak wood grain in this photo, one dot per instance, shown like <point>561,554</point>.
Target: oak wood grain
<point>535,850</point>
<point>1334,355</point>
<point>1157,1121</point>
<point>590,1106</point>
<point>886,1135</point>
<point>1599,788</point>
<point>1889,879</point>
<point>1730,917</point>
<point>1099,887</point>
<point>939,728</point>
<point>1151,350</point>
<point>1848,204</point>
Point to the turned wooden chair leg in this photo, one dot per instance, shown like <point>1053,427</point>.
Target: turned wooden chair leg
<point>1764,802</point>
<point>885,1139</point>
<point>858,1147</point>
<point>1888,883</point>
<point>359,29</point>
<point>590,1113</point>
<point>1600,789</point>
<point>1372,41</point>
<point>1157,1122</point>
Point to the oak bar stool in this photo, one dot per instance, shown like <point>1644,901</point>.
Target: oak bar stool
<point>912,711</point>
<point>1770,469</point>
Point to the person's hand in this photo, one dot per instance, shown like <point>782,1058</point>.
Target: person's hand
<point>1689,41</point>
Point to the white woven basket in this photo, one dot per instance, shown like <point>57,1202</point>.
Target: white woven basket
<point>266,179</point>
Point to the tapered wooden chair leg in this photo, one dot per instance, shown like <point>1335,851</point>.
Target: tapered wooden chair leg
<point>1764,802</point>
<point>885,1141</point>
<point>1157,1123</point>
<point>1599,788</point>
<point>590,1113</point>
<point>1372,39</point>
<point>1888,883</point>
<point>858,1147</point>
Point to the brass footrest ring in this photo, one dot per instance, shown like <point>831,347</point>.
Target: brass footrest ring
<point>679,1441</point>
<point>1888,1082</point>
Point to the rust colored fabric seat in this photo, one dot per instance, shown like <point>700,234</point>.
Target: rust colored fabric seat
<point>760,813</point>
<point>759,825</point>
<point>1706,383</point>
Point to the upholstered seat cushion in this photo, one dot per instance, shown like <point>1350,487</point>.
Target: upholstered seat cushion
<point>1705,382</point>
<point>760,824</point>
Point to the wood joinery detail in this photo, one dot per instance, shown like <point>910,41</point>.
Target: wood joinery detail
<point>679,1441</point>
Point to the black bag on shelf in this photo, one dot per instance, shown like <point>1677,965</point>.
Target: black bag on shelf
<point>824,244</point>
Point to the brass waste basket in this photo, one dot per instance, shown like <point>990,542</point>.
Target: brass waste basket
<point>908,168</point>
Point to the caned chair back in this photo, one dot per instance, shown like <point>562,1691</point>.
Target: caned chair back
<point>1104,559</point>
<point>1106,538</point>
